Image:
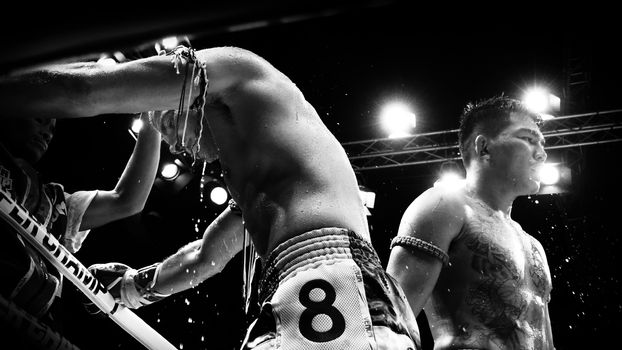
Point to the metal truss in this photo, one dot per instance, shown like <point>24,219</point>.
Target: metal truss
<point>562,132</point>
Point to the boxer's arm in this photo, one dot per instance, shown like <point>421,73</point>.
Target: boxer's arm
<point>432,220</point>
<point>189,266</point>
<point>203,258</point>
<point>155,83</point>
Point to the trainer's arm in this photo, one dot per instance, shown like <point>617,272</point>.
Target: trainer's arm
<point>203,258</point>
<point>432,217</point>
<point>130,194</point>
<point>87,89</point>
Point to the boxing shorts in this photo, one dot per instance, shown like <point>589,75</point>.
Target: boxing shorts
<point>326,289</point>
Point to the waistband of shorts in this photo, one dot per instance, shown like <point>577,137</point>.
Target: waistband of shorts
<point>323,244</point>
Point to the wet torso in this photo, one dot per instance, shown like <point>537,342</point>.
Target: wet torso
<point>284,168</point>
<point>494,294</point>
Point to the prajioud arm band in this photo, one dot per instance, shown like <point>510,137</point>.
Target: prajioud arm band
<point>413,243</point>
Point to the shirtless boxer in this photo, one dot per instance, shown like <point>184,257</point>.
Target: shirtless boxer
<point>322,285</point>
<point>483,282</point>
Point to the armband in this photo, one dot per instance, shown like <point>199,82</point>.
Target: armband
<point>413,243</point>
<point>181,55</point>
<point>137,287</point>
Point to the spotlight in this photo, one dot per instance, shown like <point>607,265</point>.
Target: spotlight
<point>539,100</point>
<point>549,174</point>
<point>137,124</point>
<point>170,171</point>
<point>398,120</point>
<point>219,195</point>
<point>107,60</point>
<point>554,178</point>
<point>367,196</point>
<point>134,129</point>
<point>450,176</point>
<point>170,43</point>
<point>450,180</point>
<point>119,56</point>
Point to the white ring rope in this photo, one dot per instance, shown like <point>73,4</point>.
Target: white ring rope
<point>36,234</point>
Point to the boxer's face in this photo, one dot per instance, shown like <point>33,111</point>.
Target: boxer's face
<point>517,154</point>
<point>196,140</point>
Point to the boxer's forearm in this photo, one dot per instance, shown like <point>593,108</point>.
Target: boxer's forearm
<point>202,259</point>
<point>182,270</point>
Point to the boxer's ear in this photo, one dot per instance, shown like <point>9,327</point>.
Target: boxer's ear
<point>481,147</point>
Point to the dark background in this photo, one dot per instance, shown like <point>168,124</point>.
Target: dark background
<point>349,58</point>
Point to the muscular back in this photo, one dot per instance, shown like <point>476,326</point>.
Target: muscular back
<point>494,294</point>
<point>283,166</point>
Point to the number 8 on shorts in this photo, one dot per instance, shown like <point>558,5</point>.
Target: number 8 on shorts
<point>323,306</point>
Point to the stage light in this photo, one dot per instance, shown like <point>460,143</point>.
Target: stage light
<point>539,100</point>
<point>450,175</point>
<point>166,44</point>
<point>549,174</point>
<point>170,42</point>
<point>398,120</point>
<point>450,180</point>
<point>106,60</point>
<point>219,195</point>
<point>367,196</point>
<point>170,171</point>
<point>119,56</point>
<point>554,178</point>
<point>137,124</point>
